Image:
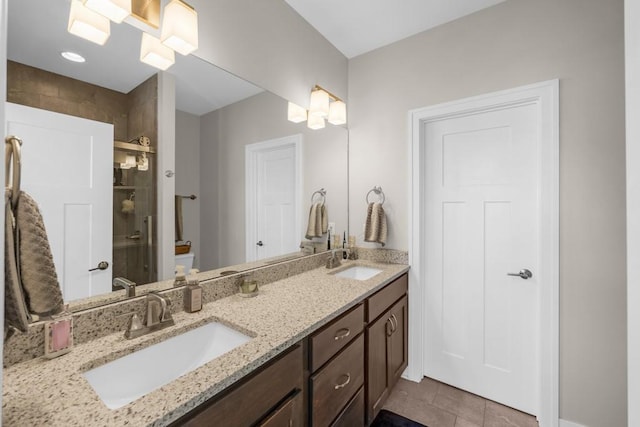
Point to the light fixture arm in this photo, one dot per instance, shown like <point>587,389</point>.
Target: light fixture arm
<point>331,96</point>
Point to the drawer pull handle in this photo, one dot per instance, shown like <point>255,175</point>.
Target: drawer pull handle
<point>341,334</point>
<point>394,323</point>
<point>339,386</point>
<point>388,325</point>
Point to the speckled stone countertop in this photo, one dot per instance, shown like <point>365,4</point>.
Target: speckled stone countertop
<point>42,392</point>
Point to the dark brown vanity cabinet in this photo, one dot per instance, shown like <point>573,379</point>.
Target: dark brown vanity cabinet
<point>336,365</point>
<point>387,340</point>
<point>272,396</point>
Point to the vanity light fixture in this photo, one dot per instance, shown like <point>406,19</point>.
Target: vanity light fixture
<point>315,122</point>
<point>296,113</point>
<point>72,56</point>
<point>319,104</point>
<point>115,10</point>
<point>337,113</point>
<point>90,25</point>
<point>180,27</point>
<point>91,19</point>
<point>154,53</point>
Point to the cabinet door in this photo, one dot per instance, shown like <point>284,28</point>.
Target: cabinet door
<point>377,378</point>
<point>397,342</point>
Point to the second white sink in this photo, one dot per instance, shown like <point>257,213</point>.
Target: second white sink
<point>358,272</point>
<point>132,376</point>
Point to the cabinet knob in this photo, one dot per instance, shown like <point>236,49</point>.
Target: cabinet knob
<point>339,386</point>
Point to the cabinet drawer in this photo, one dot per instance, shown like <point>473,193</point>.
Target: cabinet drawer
<point>289,414</point>
<point>353,414</point>
<point>248,402</point>
<point>333,337</point>
<point>379,302</point>
<point>335,384</point>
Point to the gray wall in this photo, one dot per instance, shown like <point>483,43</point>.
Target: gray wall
<point>188,177</point>
<point>269,44</point>
<point>225,133</point>
<point>516,43</point>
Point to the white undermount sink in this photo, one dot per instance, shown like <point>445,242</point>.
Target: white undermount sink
<point>132,376</point>
<point>358,272</point>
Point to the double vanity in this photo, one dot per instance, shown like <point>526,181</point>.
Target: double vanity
<point>322,347</point>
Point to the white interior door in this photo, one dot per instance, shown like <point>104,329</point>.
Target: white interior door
<point>481,185</point>
<point>67,165</point>
<point>273,198</point>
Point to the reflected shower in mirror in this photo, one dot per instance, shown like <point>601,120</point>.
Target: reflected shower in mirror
<point>222,124</point>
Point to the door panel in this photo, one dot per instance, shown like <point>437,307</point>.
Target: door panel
<point>67,168</point>
<point>481,223</point>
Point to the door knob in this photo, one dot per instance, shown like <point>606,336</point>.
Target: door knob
<point>523,274</point>
<point>260,243</point>
<point>102,265</point>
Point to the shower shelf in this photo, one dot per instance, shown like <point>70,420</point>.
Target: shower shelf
<point>120,145</point>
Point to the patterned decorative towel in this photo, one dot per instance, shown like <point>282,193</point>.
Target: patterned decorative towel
<point>37,271</point>
<point>318,221</point>
<point>375,228</point>
<point>16,315</point>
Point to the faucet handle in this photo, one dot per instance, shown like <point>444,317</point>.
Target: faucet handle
<point>133,326</point>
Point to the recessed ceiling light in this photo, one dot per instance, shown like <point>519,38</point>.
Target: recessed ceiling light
<point>72,56</point>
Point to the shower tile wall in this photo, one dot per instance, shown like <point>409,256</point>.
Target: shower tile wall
<point>48,91</point>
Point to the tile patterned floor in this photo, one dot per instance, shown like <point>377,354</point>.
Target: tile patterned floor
<point>439,405</point>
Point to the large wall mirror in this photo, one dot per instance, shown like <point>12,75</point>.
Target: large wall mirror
<point>253,175</point>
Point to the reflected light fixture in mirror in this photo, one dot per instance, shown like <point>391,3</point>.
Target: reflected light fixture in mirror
<point>154,53</point>
<point>323,104</point>
<point>180,27</point>
<point>85,23</point>
<point>115,10</point>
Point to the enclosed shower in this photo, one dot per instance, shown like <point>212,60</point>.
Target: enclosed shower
<point>134,211</point>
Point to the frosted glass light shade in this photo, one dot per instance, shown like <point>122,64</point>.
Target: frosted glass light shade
<point>154,53</point>
<point>180,27</point>
<point>115,10</point>
<point>85,23</point>
<point>319,104</point>
<point>315,122</point>
<point>296,113</point>
<point>337,113</point>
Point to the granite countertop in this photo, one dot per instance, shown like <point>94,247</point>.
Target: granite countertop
<point>54,392</point>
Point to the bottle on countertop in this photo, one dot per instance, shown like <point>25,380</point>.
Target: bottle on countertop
<point>344,244</point>
<point>192,293</point>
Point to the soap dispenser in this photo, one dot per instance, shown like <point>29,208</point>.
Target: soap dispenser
<point>193,293</point>
<point>181,280</point>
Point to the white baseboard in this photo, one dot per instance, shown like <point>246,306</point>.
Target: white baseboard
<point>565,423</point>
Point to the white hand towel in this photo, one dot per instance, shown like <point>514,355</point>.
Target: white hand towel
<point>375,229</point>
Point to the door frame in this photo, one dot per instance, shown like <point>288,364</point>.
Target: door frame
<point>546,96</point>
<point>251,161</point>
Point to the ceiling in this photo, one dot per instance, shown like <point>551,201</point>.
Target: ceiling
<point>355,27</point>
<point>37,39</point>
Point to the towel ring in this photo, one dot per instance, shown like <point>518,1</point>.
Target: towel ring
<point>322,192</point>
<point>12,157</point>
<point>378,191</point>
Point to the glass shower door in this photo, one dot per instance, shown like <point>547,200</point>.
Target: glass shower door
<point>134,213</point>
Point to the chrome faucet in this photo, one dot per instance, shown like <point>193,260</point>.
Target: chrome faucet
<point>127,284</point>
<point>157,317</point>
<point>334,261</point>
